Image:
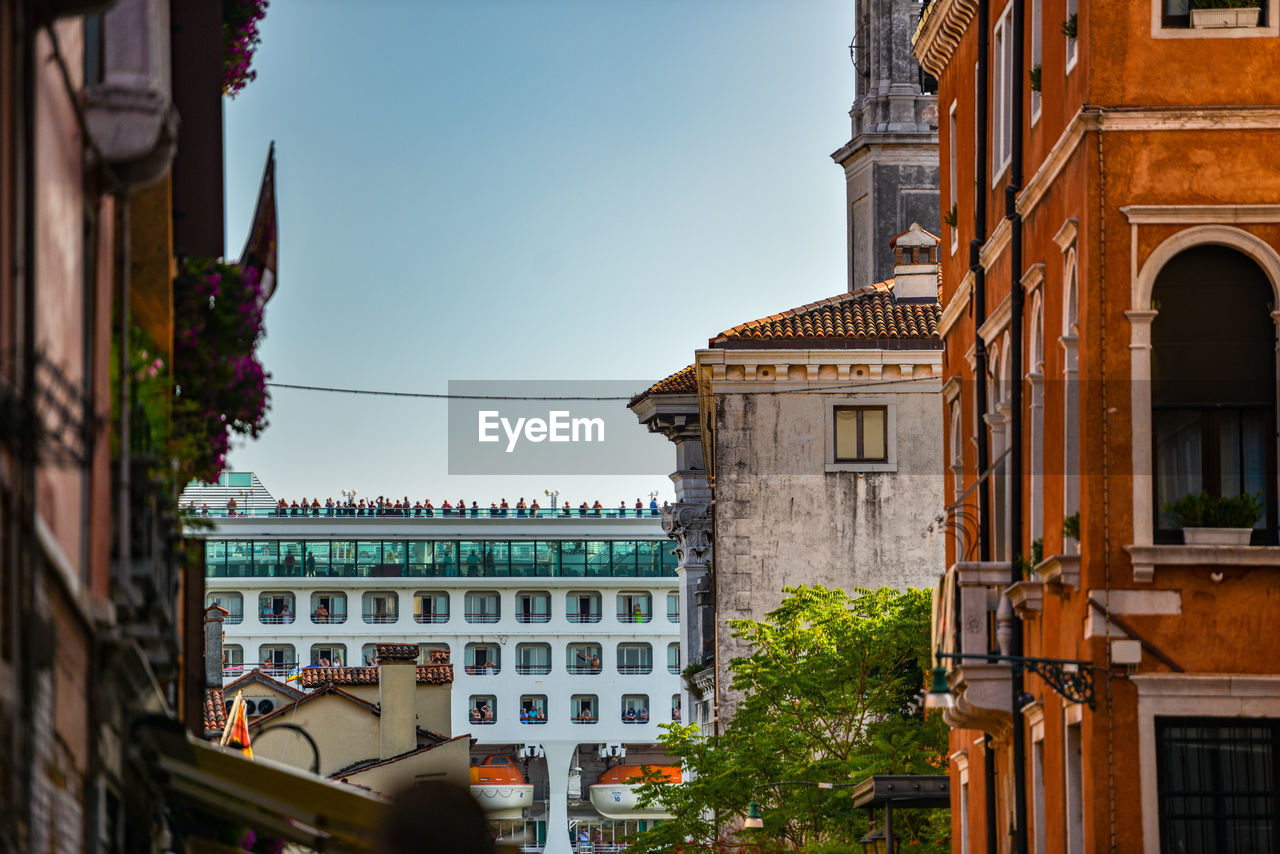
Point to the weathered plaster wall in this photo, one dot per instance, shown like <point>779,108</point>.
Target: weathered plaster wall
<point>782,520</point>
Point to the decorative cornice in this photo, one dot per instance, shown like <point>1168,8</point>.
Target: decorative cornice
<point>939,33</point>
<point>996,243</point>
<point>997,321</point>
<point>956,306</point>
<point>1200,214</point>
<point>1066,236</point>
<point>1033,278</point>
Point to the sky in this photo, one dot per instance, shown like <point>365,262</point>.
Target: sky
<point>524,190</point>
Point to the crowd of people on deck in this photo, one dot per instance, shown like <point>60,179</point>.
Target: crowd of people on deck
<point>383,506</point>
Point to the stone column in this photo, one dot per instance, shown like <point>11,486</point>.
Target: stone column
<point>689,525</point>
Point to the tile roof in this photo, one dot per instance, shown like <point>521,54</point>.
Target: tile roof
<point>397,652</point>
<point>257,675</point>
<point>867,313</point>
<point>683,381</point>
<point>322,691</point>
<point>315,677</point>
<point>375,762</point>
<point>215,710</point>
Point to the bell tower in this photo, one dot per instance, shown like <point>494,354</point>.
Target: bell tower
<point>891,160</point>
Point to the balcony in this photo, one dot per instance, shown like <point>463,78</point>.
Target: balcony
<point>233,619</point>
<point>635,669</point>
<point>279,669</point>
<point>380,619</point>
<point>482,669</point>
<point>533,722</point>
<point>635,720</point>
<point>982,690</point>
<point>582,668</point>
<point>482,617</point>
<point>673,616</point>
<point>673,669</point>
<point>1146,559</point>
<point>584,719</point>
<point>277,619</point>
<point>533,618</point>
<point>624,617</point>
<point>233,671</point>
<point>431,618</point>
<point>533,669</point>
<point>583,618</point>
<point>329,619</point>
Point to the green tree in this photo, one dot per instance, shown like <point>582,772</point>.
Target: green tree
<point>830,693</point>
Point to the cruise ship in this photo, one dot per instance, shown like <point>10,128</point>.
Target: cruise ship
<point>563,628</point>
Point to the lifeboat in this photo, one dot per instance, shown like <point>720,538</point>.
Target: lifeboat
<point>614,796</point>
<point>500,788</point>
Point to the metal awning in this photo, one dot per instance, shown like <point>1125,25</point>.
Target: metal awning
<point>915,791</point>
<point>265,795</point>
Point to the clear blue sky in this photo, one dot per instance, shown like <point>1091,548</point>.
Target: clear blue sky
<point>531,189</point>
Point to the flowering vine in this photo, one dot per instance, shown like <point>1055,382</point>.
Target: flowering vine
<point>220,384</point>
<point>240,38</point>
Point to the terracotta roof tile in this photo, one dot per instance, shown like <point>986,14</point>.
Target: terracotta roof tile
<point>397,652</point>
<point>867,313</point>
<point>215,710</point>
<point>315,677</point>
<point>683,381</point>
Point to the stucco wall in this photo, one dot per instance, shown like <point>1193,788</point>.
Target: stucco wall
<point>344,733</point>
<point>449,762</point>
<point>782,520</point>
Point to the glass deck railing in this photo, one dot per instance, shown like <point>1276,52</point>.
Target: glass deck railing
<point>421,513</point>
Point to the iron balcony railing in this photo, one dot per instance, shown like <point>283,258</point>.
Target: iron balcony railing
<point>277,619</point>
<point>329,619</point>
<point>483,669</point>
<point>302,514</point>
<point>584,617</point>
<point>431,618</point>
<point>634,669</point>
<point>482,617</point>
<point>533,669</point>
<point>381,619</point>
<point>533,618</point>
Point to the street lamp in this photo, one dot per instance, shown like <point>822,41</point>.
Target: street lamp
<point>874,842</point>
<point>754,820</point>
<point>939,694</point>
<point>1070,678</point>
<point>554,495</point>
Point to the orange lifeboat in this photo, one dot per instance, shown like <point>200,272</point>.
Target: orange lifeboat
<point>499,786</point>
<point>614,796</point>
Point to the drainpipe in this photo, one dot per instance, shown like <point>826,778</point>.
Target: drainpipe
<point>981,157</point>
<point>1015,427</point>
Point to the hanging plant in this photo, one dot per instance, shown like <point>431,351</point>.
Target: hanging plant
<point>952,216</point>
<point>1034,76</point>
<point>240,40</point>
<point>1070,24</point>
<point>220,384</point>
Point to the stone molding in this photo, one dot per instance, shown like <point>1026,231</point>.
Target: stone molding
<point>690,526</point>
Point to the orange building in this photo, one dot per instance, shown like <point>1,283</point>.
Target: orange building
<point>1110,296</point>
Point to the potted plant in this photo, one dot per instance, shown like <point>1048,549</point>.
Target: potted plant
<point>1209,520</point>
<point>952,216</point>
<point>1220,14</point>
<point>1034,76</point>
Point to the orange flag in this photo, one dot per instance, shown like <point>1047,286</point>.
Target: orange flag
<point>236,733</point>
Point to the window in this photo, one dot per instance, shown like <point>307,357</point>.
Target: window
<point>381,607</point>
<point>277,659</point>
<point>583,607</point>
<point>232,603</point>
<point>533,709</point>
<point>953,181</point>
<point>635,658</point>
<point>342,559</point>
<point>482,709</point>
<point>673,658</point>
<point>584,708</point>
<point>1219,784</point>
<point>533,659</point>
<point>483,659</point>
<point>1073,9</point>
<point>328,608</point>
<point>861,434</point>
<point>1002,94</point>
<point>1075,790</point>
<point>1213,431</point>
<point>533,607</point>
<point>232,660</point>
<point>1037,27</point>
<point>291,559</point>
<point>276,608</point>
<point>673,607</point>
<point>634,608</point>
<point>425,650</point>
<point>1175,18</point>
<point>1037,798</point>
<point>635,709</point>
<point>675,708</point>
<point>431,606</point>
<point>369,654</point>
<point>328,654</point>
<point>483,607</point>
<point>583,658</point>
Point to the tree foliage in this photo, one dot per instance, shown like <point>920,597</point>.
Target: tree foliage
<point>830,693</point>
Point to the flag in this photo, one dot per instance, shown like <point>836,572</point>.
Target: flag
<point>236,733</point>
<point>260,247</point>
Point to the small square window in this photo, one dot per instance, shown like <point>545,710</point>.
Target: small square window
<point>861,434</point>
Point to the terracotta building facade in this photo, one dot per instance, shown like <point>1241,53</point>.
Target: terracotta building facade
<point>1109,323</point>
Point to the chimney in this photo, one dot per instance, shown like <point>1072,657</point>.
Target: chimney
<point>397,680</point>
<point>213,617</point>
<point>915,265</point>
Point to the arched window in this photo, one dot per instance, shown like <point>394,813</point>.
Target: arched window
<point>1070,398</point>
<point>1035,379</point>
<point>1213,383</point>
